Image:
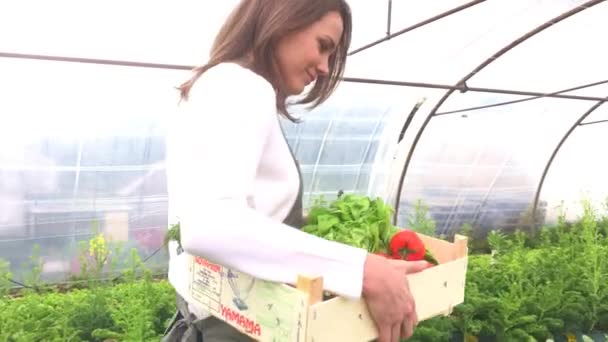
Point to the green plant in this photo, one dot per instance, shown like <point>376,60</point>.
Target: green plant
<point>136,311</point>
<point>5,275</point>
<point>174,234</point>
<point>354,220</point>
<point>139,311</point>
<point>33,278</point>
<point>36,317</point>
<point>420,220</point>
<point>527,288</point>
<point>523,293</point>
<point>90,310</point>
<point>438,329</point>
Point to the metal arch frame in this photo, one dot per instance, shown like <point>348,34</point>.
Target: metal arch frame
<point>85,60</point>
<point>557,149</point>
<point>478,213</point>
<point>593,122</point>
<point>389,17</point>
<point>561,94</point>
<point>462,83</point>
<point>470,109</point>
<point>390,35</point>
<point>464,88</point>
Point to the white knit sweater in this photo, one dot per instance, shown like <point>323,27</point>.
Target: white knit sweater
<point>231,183</point>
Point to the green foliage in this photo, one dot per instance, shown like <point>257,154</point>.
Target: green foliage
<point>32,278</point>
<point>98,257</point>
<point>135,310</point>
<point>37,317</point>
<point>130,312</point>
<point>521,293</point>
<point>532,285</point>
<point>353,220</point>
<point>174,234</point>
<point>139,311</point>
<point>526,288</point>
<point>420,220</point>
<point>439,329</point>
<point>5,275</point>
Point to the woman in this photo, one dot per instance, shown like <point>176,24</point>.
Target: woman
<point>234,185</point>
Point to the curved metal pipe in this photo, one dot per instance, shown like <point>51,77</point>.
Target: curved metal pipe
<point>593,122</point>
<point>463,88</point>
<point>470,109</point>
<point>94,61</point>
<point>557,148</point>
<point>413,27</point>
<point>462,82</point>
<point>389,17</point>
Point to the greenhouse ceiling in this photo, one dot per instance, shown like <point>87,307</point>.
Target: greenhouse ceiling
<point>485,110</point>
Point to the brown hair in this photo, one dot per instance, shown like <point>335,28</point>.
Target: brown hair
<point>256,26</point>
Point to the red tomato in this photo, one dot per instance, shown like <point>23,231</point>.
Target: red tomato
<point>407,245</point>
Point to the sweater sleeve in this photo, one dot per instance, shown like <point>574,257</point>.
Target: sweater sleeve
<point>214,148</point>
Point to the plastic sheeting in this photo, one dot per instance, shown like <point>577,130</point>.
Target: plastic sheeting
<point>348,143</point>
<point>81,151</point>
<point>82,144</point>
<point>484,166</point>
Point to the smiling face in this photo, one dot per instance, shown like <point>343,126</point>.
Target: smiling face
<point>303,55</point>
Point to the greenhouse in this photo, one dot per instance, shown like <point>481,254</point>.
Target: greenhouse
<point>480,118</point>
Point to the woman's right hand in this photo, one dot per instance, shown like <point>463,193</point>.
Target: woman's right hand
<point>388,298</point>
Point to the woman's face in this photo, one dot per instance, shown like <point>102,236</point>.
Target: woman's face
<point>303,55</point>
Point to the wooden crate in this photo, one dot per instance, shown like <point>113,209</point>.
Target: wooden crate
<point>275,312</point>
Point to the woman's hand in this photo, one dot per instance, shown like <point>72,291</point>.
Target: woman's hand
<point>387,294</point>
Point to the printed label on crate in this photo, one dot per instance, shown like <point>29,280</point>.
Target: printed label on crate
<point>207,285</point>
<point>264,310</point>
